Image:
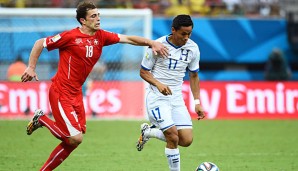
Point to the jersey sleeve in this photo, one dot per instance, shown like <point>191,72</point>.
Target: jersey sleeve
<point>109,38</point>
<point>58,41</point>
<point>148,60</point>
<point>194,65</point>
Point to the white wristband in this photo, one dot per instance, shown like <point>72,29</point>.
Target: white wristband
<point>197,101</point>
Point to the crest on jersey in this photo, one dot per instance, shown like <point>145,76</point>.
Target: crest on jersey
<point>96,42</point>
<point>56,38</point>
<point>78,40</point>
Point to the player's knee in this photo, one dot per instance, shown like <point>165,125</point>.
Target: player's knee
<point>185,142</point>
<point>76,140</point>
<point>172,137</point>
<point>172,141</point>
<point>175,139</point>
<point>185,137</point>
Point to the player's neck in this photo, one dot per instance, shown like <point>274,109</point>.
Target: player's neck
<point>87,31</point>
<point>170,38</point>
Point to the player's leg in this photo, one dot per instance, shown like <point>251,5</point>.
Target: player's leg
<point>183,123</point>
<point>155,132</point>
<point>174,137</point>
<point>177,134</point>
<point>61,152</point>
<point>58,155</point>
<point>68,123</point>
<point>42,120</point>
<point>171,136</point>
<point>34,123</point>
<point>148,132</point>
<point>185,137</point>
<point>80,111</point>
<point>143,138</point>
<point>160,114</point>
<point>39,119</point>
<point>172,151</point>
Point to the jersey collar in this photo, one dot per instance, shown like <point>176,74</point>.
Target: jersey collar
<point>167,39</point>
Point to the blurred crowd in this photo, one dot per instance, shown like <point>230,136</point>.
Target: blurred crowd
<point>247,8</point>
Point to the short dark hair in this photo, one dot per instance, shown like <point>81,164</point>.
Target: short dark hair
<point>182,20</point>
<point>83,8</point>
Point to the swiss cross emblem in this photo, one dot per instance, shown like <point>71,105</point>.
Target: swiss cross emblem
<point>96,42</point>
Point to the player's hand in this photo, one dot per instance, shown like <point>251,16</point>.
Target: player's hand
<point>200,111</point>
<point>163,89</point>
<point>29,74</point>
<point>159,48</point>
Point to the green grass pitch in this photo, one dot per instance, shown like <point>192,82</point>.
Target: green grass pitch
<point>238,145</point>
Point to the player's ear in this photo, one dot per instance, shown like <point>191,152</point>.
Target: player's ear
<point>82,20</point>
<point>173,29</point>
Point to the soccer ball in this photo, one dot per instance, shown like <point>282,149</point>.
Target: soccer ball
<point>207,166</point>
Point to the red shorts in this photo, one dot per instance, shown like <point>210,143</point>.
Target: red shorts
<point>68,112</point>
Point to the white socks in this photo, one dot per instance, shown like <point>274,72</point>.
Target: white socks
<point>155,133</point>
<point>173,157</point>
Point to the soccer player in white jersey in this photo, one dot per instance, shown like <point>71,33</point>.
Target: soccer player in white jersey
<point>166,109</point>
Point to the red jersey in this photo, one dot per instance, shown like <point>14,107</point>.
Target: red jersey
<point>78,54</point>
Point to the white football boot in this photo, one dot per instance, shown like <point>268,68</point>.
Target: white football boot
<point>145,128</point>
<point>34,123</point>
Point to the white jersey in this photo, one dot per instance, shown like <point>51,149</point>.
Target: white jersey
<point>170,71</point>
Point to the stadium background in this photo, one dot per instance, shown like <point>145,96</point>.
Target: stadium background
<point>234,43</point>
<point>251,123</point>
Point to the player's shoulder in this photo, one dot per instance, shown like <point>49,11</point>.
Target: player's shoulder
<point>70,33</point>
<point>66,34</point>
<point>192,44</point>
<point>162,39</point>
<point>106,33</point>
<point>102,31</point>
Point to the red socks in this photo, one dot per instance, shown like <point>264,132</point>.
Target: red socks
<point>51,125</point>
<point>62,151</point>
<point>59,154</point>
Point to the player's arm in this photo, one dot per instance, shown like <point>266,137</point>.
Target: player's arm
<point>195,89</point>
<point>157,47</point>
<point>147,76</point>
<point>30,73</point>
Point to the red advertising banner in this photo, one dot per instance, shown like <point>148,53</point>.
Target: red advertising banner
<point>246,100</point>
<point>104,100</point>
<point>125,100</point>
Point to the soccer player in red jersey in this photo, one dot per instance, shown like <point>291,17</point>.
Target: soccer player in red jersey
<point>79,50</point>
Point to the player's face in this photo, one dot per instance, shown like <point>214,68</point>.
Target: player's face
<point>93,19</point>
<point>181,36</point>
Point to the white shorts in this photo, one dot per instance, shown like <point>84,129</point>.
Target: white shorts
<point>167,111</point>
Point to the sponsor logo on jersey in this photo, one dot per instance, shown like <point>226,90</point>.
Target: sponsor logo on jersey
<point>89,41</point>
